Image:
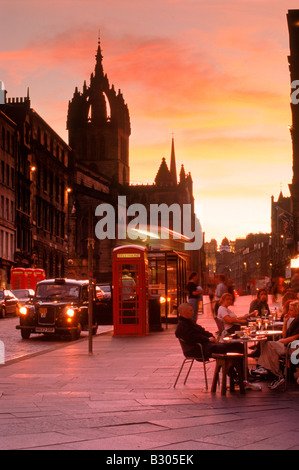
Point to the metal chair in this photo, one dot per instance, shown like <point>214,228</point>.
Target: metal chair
<point>190,359</point>
<point>220,326</point>
<point>287,363</point>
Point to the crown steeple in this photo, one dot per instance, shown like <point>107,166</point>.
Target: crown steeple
<point>99,126</point>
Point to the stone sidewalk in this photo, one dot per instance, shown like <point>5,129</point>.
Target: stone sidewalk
<point>122,398</point>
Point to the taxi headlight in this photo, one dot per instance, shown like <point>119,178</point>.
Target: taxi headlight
<point>70,312</point>
<point>23,310</point>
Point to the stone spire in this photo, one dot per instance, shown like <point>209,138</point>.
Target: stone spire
<point>173,163</point>
<point>99,60</point>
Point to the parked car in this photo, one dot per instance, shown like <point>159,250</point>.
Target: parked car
<point>107,289</point>
<point>59,306</point>
<point>100,293</point>
<point>105,304</point>
<point>9,303</point>
<point>23,295</point>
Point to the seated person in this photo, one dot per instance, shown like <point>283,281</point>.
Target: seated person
<point>231,321</point>
<point>192,333</point>
<point>272,350</point>
<point>288,297</point>
<point>260,303</point>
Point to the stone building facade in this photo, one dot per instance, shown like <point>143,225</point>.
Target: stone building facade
<point>42,180</point>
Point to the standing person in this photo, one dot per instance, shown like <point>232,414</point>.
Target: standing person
<point>194,294</point>
<point>279,289</point>
<point>221,289</point>
<point>295,282</point>
<point>211,294</point>
<point>231,289</point>
<point>128,285</point>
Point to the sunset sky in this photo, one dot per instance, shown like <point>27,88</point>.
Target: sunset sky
<point>212,73</point>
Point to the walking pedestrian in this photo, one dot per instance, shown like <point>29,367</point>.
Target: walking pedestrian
<point>194,294</point>
<point>221,289</point>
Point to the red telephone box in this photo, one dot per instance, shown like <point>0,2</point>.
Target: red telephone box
<point>39,275</point>
<point>29,278</point>
<point>130,290</point>
<point>17,278</point>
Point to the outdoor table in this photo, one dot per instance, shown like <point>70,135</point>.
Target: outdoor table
<point>268,333</point>
<point>245,340</point>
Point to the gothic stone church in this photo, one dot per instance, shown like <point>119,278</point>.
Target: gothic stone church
<point>99,129</point>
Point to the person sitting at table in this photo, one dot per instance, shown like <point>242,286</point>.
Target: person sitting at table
<point>192,333</point>
<point>272,350</point>
<point>260,303</point>
<point>288,297</point>
<point>231,322</point>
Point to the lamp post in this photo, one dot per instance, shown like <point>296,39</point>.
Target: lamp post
<point>90,247</point>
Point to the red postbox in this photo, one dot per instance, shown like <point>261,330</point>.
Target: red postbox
<point>130,290</point>
<point>17,278</point>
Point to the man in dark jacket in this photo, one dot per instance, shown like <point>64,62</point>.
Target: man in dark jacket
<point>192,333</point>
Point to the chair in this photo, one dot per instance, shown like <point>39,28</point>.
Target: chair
<point>228,362</point>
<point>287,363</point>
<point>190,359</point>
<point>220,326</point>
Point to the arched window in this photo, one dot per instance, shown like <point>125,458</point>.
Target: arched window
<point>108,107</point>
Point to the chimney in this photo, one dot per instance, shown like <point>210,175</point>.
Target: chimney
<point>2,93</point>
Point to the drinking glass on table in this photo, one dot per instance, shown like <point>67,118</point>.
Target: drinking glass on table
<point>259,323</point>
<point>266,323</point>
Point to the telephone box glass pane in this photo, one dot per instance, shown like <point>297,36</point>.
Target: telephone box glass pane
<point>128,294</point>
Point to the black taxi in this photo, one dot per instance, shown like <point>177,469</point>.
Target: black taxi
<point>59,306</point>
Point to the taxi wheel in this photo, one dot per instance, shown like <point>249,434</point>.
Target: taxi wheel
<point>25,334</point>
<point>2,312</point>
<point>95,329</point>
<point>75,334</point>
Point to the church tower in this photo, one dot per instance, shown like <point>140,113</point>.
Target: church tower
<point>99,127</point>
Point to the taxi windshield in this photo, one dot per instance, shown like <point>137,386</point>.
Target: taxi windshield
<point>57,292</point>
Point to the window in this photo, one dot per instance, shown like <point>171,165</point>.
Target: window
<point>7,174</point>
<point>12,177</point>
<point>8,142</point>
<point>45,179</point>
<point>7,209</point>
<point>51,183</point>
<point>3,138</point>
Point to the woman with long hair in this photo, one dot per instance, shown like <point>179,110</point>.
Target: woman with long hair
<point>231,321</point>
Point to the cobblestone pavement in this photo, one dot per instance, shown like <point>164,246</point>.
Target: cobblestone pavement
<point>121,398</point>
<point>15,347</point>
